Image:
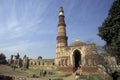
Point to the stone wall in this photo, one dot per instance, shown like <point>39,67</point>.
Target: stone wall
<point>41,63</point>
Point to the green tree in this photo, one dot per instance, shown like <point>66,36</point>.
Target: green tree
<point>110,30</point>
<point>2,58</point>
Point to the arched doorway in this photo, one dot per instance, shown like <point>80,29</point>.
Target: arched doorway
<point>76,59</point>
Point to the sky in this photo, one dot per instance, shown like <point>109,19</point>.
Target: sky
<point>30,26</point>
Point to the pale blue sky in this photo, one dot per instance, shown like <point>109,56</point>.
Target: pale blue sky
<point>30,26</point>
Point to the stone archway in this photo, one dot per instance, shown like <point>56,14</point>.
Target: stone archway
<point>76,59</point>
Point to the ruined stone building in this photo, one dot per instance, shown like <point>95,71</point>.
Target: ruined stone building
<point>77,53</point>
<point>15,60</point>
<point>26,63</point>
<point>41,63</point>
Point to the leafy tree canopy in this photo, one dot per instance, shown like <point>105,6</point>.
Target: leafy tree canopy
<point>109,31</point>
<point>2,58</point>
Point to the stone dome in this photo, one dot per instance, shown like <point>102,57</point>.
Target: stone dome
<point>77,43</point>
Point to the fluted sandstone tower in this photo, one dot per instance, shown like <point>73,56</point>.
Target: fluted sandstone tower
<point>61,36</point>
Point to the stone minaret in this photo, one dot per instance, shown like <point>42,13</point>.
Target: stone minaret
<point>61,36</point>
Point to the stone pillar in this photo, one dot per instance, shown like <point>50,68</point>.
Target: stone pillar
<point>92,58</point>
<point>86,60</point>
<point>65,62</point>
<point>61,62</point>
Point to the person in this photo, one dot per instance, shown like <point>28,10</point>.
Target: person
<point>115,75</point>
<point>44,73</point>
<point>77,76</point>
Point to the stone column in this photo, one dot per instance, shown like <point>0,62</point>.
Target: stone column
<point>86,60</point>
<point>66,62</point>
<point>62,62</point>
<point>92,60</point>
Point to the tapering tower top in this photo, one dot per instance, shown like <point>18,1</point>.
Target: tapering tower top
<point>61,12</point>
<point>62,36</point>
<point>61,17</point>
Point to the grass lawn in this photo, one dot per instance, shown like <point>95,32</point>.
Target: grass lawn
<point>57,75</point>
<point>95,77</point>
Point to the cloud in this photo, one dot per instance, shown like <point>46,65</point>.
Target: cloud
<point>23,47</point>
<point>18,25</point>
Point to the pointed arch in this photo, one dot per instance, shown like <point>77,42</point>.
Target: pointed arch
<point>76,58</point>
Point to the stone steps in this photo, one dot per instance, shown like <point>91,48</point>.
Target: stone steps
<point>66,69</point>
<point>90,69</point>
